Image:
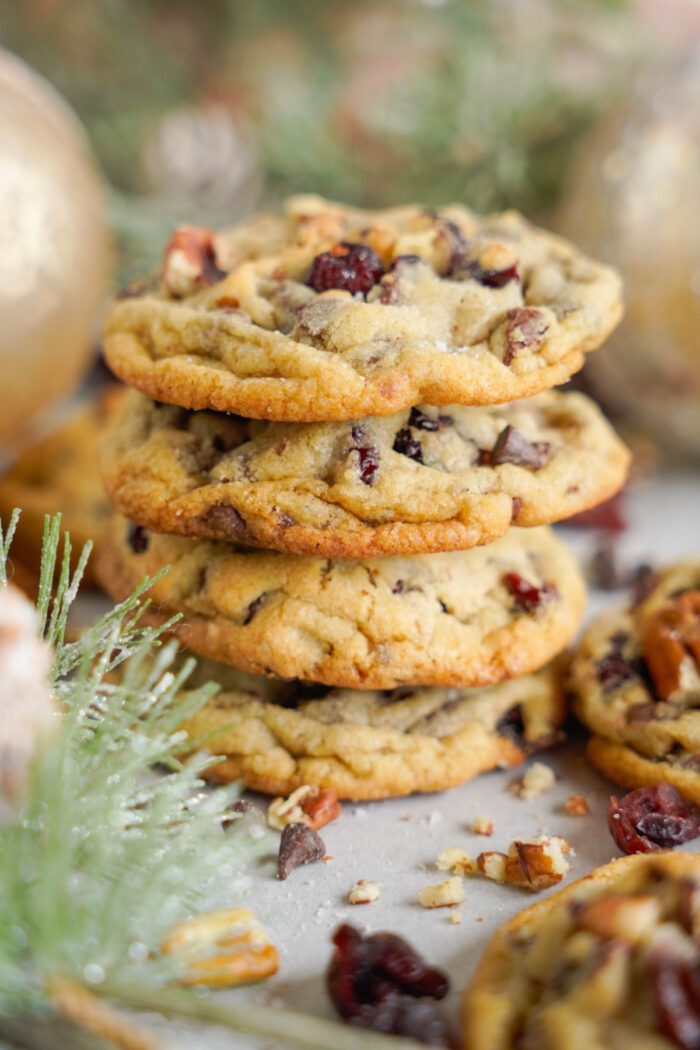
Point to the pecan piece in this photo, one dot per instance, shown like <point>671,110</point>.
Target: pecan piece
<point>221,948</point>
<point>189,261</point>
<point>671,646</point>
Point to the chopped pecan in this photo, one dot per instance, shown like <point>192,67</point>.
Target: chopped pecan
<point>538,864</point>
<point>671,646</point>
<point>447,894</point>
<point>221,948</point>
<point>619,915</point>
<point>189,261</point>
<point>309,805</point>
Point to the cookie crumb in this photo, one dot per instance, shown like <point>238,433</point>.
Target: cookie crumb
<point>538,779</point>
<point>483,825</point>
<point>456,918</point>
<point>447,894</point>
<point>577,806</point>
<point>456,861</point>
<point>365,891</point>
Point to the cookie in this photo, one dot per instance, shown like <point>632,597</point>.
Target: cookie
<point>604,964</point>
<point>276,736</point>
<point>421,480</point>
<point>635,678</point>
<point>61,473</point>
<point>464,618</point>
<point>331,313</point>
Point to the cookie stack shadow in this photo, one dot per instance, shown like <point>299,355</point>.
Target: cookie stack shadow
<point>343,442</point>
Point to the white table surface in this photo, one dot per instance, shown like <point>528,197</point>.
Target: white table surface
<point>396,842</point>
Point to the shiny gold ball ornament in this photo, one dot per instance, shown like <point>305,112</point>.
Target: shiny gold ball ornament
<point>634,202</point>
<point>54,246</point>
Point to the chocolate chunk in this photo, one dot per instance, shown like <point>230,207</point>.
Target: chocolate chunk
<point>254,608</point>
<point>513,447</point>
<point>299,845</point>
<point>137,538</point>
<point>526,328</point>
<point>420,421</point>
<point>511,725</point>
<point>226,521</point>
<point>615,669</point>
<point>406,444</point>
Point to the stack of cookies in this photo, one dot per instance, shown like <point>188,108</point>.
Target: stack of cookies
<point>343,442</point>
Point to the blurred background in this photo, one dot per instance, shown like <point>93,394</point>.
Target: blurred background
<point>582,113</point>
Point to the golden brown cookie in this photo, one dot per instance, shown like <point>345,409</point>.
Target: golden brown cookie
<point>609,963</point>
<point>422,480</point>
<point>464,618</point>
<point>276,736</point>
<point>61,473</point>
<point>332,313</point>
<point>635,678</point>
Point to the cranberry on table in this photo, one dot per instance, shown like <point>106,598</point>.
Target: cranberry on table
<point>354,268</point>
<point>381,982</point>
<point>650,819</point>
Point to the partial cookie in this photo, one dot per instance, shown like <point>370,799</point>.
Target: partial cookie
<point>636,682</point>
<point>607,963</point>
<point>332,313</point>
<point>61,473</point>
<point>419,481</point>
<point>369,745</point>
<point>465,618</point>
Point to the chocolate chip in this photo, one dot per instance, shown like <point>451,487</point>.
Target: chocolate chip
<point>511,725</point>
<point>253,608</point>
<point>398,587</point>
<point>225,521</point>
<point>526,327</point>
<point>420,421</point>
<point>406,444</point>
<point>614,669</point>
<point>513,447</point>
<point>137,538</point>
<point>299,845</point>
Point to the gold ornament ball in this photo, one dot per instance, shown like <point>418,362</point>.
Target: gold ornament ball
<point>634,202</point>
<point>55,250</point>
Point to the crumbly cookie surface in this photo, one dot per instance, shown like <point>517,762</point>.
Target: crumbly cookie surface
<point>332,313</point>
<point>61,473</point>
<point>462,618</point>
<point>603,963</point>
<point>422,480</point>
<point>636,682</point>
<point>367,744</point>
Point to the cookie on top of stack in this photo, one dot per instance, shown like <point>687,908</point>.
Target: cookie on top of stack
<point>343,442</point>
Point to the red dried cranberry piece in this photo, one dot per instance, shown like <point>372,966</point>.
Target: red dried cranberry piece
<point>368,456</point>
<point>377,982</point>
<point>614,669</point>
<point>137,538</point>
<point>650,819</point>
<point>676,990</point>
<point>407,445</point>
<point>609,515</point>
<point>494,278</point>
<point>351,267</point>
<point>528,596</point>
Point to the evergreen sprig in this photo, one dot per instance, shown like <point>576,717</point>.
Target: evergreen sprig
<point>105,856</point>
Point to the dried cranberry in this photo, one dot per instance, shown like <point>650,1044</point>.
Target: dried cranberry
<point>377,982</point>
<point>137,538</point>
<point>368,456</point>
<point>407,445</point>
<point>299,844</point>
<point>650,819</point>
<point>614,669</point>
<point>609,515</point>
<point>351,267</point>
<point>528,596</point>
<point>676,990</point>
<point>494,278</point>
